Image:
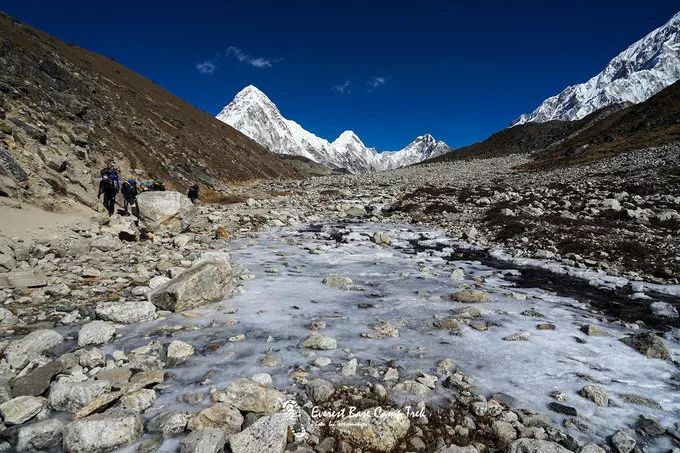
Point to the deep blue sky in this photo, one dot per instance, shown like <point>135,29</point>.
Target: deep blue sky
<point>459,71</point>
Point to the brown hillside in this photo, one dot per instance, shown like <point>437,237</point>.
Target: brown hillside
<point>65,111</point>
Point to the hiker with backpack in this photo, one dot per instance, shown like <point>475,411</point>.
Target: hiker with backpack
<point>113,174</point>
<point>193,193</point>
<point>129,191</point>
<point>108,188</point>
<point>158,185</point>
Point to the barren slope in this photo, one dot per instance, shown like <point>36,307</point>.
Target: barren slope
<point>65,111</point>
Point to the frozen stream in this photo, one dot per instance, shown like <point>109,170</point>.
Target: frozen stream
<point>405,287</point>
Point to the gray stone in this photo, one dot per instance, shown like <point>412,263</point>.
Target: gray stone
<point>355,211</point>
<point>123,228</point>
<point>471,296</point>
<point>5,392</point>
<point>7,317</point>
<point>71,396</point>
<point>178,351</point>
<point>536,446</point>
<point>664,309</point>
<point>648,344</point>
<point>102,432</point>
<point>21,409</point>
<point>504,432</point>
<point>562,409</point>
<point>594,331</point>
<point>318,342</point>
<point>249,396</point>
<point>208,440</point>
<point>349,368</point>
<point>19,351</point>
<point>366,431</point>
<point>221,415</point>
<point>457,449</point>
<point>118,376</point>
<point>92,358</point>
<point>168,422</point>
<point>107,244</point>
<point>203,284</point>
<point>517,336</point>
<point>381,239</point>
<point>138,401</point>
<point>596,394</point>
<point>623,441</point>
<point>649,426</point>
<point>269,433</point>
<point>640,400</point>
<point>412,387</point>
<point>319,390</point>
<point>126,312</point>
<point>36,381</point>
<point>591,448</point>
<point>96,333</point>
<point>340,282</point>
<point>167,211</point>
<point>40,436</point>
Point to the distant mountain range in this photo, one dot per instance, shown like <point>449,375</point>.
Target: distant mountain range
<point>642,70</point>
<point>255,115</point>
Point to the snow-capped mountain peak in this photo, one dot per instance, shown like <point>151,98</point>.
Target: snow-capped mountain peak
<point>348,138</point>
<point>254,114</point>
<point>636,74</point>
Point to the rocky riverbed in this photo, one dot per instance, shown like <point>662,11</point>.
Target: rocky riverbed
<point>327,315</point>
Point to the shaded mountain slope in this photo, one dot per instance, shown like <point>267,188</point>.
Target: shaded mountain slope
<point>66,111</point>
<point>651,123</point>
<point>604,133</point>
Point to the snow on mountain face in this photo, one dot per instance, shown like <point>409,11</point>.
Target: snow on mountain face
<point>254,114</point>
<point>636,74</point>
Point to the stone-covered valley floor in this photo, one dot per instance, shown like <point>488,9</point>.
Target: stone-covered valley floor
<point>351,293</point>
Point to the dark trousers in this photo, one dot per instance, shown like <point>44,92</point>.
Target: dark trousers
<point>110,203</point>
<point>127,202</point>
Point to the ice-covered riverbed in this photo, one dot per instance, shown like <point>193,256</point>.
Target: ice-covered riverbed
<point>406,285</point>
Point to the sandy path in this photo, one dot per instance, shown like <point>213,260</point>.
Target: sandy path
<point>29,222</point>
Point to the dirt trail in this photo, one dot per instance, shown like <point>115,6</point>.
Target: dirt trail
<point>28,222</point>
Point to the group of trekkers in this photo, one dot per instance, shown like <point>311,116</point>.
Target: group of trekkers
<point>110,185</point>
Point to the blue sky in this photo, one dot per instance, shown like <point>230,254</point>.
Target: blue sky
<point>458,70</point>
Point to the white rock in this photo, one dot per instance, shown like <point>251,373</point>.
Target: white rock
<point>96,333</point>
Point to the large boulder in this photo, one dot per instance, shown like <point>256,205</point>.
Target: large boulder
<point>204,283</point>
<point>102,432</point>
<point>371,430</point>
<point>161,212</point>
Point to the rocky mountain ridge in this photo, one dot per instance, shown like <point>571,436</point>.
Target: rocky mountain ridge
<point>642,70</point>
